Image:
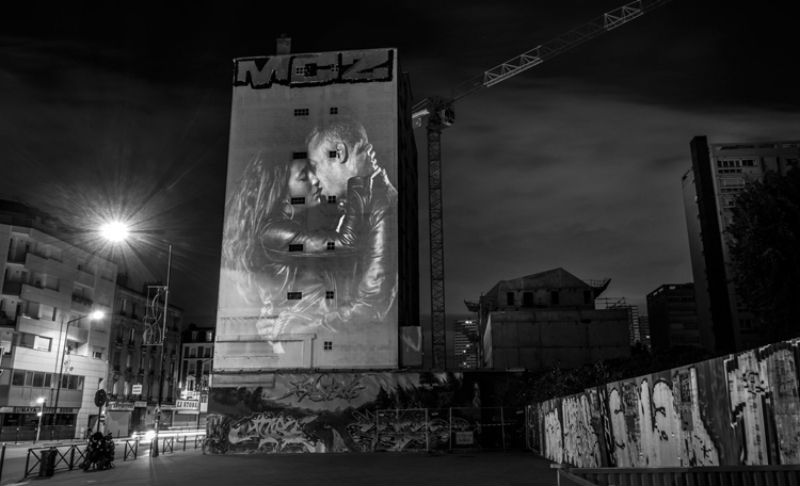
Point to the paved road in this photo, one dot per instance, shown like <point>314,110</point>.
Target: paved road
<point>16,455</point>
<point>193,468</point>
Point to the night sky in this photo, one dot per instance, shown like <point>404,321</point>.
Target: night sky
<point>111,110</point>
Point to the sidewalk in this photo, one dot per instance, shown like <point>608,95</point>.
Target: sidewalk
<point>390,469</point>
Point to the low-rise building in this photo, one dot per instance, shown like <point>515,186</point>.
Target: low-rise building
<point>549,319</point>
<point>135,366</point>
<point>197,351</point>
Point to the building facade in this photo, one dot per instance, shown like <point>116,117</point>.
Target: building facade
<point>549,319</point>
<point>672,314</point>
<point>719,172</point>
<point>135,368</point>
<point>197,351</point>
<point>54,356</point>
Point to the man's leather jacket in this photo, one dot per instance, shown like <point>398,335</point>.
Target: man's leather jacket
<point>367,232</point>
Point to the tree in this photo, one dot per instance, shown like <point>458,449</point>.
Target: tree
<point>765,252</point>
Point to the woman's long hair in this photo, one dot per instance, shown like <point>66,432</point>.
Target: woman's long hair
<point>261,194</point>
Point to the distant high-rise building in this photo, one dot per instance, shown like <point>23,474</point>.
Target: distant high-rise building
<point>466,344</point>
<point>672,315</point>
<point>719,172</point>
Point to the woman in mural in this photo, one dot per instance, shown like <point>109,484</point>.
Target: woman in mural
<point>261,219</point>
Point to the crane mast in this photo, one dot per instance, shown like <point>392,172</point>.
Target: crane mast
<point>437,113</point>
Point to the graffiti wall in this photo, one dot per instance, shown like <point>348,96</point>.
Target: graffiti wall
<point>741,409</point>
<point>342,412</point>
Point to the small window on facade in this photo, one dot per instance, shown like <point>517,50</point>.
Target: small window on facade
<point>98,354</point>
<point>209,336</point>
<point>509,298</point>
<point>331,199</point>
<point>331,245</point>
<point>334,110</point>
<point>554,297</point>
<point>527,299</point>
<point>327,345</point>
<point>294,295</point>
<point>298,200</point>
<point>300,70</point>
<point>331,154</point>
<point>329,294</point>
<point>301,112</point>
<point>299,155</point>
<point>296,247</point>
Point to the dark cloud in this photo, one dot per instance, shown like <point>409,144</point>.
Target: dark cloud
<point>575,163</point>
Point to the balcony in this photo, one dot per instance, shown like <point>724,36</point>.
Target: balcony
<point>82,302</point>
<point>37,293</point>
<point>84,278</point>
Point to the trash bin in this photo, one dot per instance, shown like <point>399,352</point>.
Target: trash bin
<point>47,463</point>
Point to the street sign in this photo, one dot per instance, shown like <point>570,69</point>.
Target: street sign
<point>136,389</point>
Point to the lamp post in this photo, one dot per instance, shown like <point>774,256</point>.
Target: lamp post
<point>116,232</point>
<point>93,316</point>
<point>41,401</point>
<point>154,450</point>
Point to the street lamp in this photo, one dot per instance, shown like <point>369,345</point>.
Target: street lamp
<point>40,401</point>
<point>116,232</point>
<point>92,316</point>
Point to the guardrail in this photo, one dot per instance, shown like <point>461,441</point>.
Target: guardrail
<point>68,457</point>
<point>64,458</point>
<point>695,476</point>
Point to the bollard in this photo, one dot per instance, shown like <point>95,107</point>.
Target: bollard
<point>2,459</point>
<point>184,443</point>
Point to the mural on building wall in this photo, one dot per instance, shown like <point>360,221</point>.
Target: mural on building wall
<point>338,412</point>
<point>737,410</point>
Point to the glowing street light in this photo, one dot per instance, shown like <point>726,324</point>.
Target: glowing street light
<point>114,231</point>
<point>40,401</point>
<point>117,232</point>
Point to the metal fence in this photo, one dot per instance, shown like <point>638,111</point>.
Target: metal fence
<point>695,476</point>
<point>69,457</point>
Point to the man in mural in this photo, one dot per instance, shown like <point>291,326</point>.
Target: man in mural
<point>343,164</point>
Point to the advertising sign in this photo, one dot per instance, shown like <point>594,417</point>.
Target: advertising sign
<point>309,269</point>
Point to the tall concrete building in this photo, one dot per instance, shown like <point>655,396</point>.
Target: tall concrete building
<point>719,172</point>
<point>54,357</point>
<point>672,315</point>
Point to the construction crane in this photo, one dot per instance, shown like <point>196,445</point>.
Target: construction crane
<point>437,113</point>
